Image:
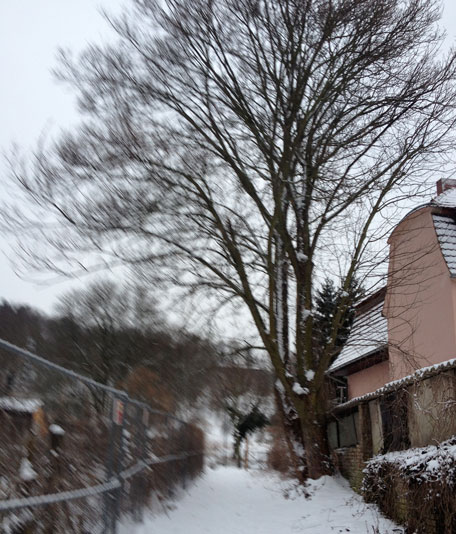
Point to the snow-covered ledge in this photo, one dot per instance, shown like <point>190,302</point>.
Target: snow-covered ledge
<point>417,376</point>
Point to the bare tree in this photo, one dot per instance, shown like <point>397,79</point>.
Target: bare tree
<point>247,147</point>
<point>103,330</point>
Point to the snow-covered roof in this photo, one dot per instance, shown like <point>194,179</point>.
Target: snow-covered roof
<point>20,405</point>
<point>445,228</point>
<point>447,199</point>
<point>369,333</point>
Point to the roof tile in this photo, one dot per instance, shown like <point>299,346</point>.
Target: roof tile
<point>445,228</point>
<point>369,333</point>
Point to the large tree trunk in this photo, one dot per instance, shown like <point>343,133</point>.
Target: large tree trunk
<point>316,449</point>
<point>293,437</point>
<point>306,437</point>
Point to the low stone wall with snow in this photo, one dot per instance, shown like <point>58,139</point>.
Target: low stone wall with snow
<point>416,487</point>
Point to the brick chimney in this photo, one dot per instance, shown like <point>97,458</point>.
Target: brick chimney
<point>444,184</point>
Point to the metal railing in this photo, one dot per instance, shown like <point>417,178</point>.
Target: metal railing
<point>69,463</point>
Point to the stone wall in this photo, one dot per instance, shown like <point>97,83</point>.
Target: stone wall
<point>350,463</point>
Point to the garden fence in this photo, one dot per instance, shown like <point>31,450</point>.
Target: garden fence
<point>77,456</point>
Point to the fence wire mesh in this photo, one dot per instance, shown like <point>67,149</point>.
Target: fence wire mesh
<point>76,455</point>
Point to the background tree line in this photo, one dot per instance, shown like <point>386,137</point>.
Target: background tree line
<point>115,336</point>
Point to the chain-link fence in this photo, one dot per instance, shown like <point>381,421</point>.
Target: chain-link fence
<point>77,455</point>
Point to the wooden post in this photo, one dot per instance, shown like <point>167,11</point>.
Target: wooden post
<point>365,439</point>
<point>56,434</point>
<point>246,454</point>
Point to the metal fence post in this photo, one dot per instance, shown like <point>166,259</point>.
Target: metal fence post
<point>184,442</point>
<point>121,414</point>
<point>107,498</point>
<point>141,420</point>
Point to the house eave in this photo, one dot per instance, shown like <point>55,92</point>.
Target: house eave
<point>419,375</point>
<point>365,361</point>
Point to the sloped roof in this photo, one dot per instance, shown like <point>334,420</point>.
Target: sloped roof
<point>445,228</point>
<point>447,199</point>
<point>20,405</point>
<point>369,334</point>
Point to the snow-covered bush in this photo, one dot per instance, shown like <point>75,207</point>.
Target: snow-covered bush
<point>416,486</point>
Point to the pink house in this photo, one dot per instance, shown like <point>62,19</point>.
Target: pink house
<point>411,323</point>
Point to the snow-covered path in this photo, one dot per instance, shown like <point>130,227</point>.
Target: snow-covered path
<point>231,501</point>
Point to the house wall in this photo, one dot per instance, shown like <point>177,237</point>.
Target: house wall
<point>420,303</point>
<point>368,379</point>
<point>432,409</point>
<point>429,406</point>
<point>376,426</point>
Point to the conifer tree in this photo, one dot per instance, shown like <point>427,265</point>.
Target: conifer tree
<point>327,302</point>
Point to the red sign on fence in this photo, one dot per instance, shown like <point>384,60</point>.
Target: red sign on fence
<point>118,412</point>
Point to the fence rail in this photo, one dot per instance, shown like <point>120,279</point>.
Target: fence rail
<point>90,466</point>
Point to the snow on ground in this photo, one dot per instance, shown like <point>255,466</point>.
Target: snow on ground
<point>228,500</point>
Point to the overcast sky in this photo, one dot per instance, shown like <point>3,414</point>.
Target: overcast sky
<point>31,101</point>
